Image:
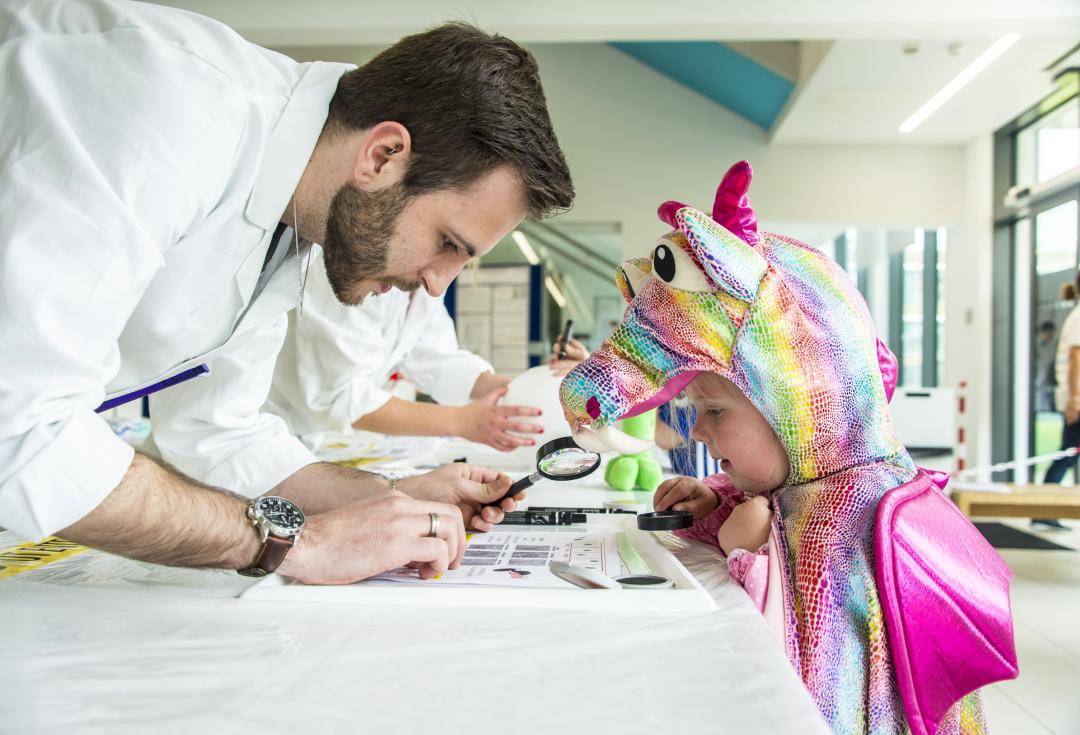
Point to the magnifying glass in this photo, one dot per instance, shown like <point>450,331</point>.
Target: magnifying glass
<point>592,579</point>
<point>559,459</point>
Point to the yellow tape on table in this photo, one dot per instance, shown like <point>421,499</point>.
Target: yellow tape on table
<point>357,462</point>
<point>30,556</point>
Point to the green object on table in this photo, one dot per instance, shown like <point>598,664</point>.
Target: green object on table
<point>629,471</point>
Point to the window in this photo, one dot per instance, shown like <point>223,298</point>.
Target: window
<point>900,273</point>
<point>912,321</point>
<point>1036,251</point>
<point>1055,265</point>
<point>1049,146</point>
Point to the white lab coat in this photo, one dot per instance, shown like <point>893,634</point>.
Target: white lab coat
<point>336,359</point>
<point>146,156</point>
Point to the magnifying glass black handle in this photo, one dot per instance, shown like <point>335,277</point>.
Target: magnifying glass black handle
<point>518,486</point>
<point>568,332</point>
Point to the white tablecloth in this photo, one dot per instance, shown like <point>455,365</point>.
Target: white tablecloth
<point>100,644</point>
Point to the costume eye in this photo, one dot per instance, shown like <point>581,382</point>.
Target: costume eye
<point>677,269</point>
<point>664,263</point>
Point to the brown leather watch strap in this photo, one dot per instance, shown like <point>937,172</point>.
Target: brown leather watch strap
<point>270,556</point>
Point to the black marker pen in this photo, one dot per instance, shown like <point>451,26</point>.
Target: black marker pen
<point>542,518</point>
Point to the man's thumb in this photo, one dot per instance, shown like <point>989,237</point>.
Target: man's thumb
<point>494,489</point>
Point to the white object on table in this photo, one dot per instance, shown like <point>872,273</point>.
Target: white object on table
<point>537,387</point>
<point>583,576</point>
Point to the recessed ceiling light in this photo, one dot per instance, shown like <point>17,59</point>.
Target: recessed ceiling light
<point>987,57</point>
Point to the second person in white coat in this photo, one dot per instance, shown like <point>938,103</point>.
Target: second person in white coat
<point>336,360</point>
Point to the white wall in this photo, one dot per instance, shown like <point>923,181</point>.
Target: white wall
<point>969,304</point>
<point>634,138</point>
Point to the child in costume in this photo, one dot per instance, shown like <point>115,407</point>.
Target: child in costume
<point>775,347</point>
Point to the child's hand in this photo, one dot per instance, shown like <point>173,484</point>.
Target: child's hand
<point>747,527</point>
<point>686,493</point>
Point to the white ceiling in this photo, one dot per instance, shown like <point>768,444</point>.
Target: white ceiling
<point>862,90</point>
<point>854,83</point>
<point>345,22</point>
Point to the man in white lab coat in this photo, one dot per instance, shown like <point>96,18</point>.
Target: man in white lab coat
<point>332,372</point>
<point>154,167</point>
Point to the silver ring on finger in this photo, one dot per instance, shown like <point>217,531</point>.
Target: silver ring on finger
<point>434,531</point>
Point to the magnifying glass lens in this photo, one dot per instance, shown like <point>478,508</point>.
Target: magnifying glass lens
<point>559,459</point>
<point>569,462</point>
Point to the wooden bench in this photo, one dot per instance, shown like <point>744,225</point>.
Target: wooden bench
<point>1022,501</point>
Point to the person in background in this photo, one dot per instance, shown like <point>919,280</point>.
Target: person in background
<point>575,352</point>
<point>688,456</point>
<point>1066,397</point>
<point>336,360</point>
<point>1045,380</point>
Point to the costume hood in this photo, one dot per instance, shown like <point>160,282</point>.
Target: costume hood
<point>773,315</point>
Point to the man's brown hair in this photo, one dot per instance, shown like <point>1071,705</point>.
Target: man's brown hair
<point>471,101</point>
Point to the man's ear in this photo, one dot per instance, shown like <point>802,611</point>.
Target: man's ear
<point>383,155</point>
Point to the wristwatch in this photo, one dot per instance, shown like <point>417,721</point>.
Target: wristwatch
<point>279,523</point>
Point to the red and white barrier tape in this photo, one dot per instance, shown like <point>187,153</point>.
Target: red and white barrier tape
<point>1003,466</point>
<point>961,409</point>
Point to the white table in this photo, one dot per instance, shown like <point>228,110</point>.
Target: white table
<point>101,644</point>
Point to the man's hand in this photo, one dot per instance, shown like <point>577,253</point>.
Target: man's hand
<point>486,422</point>
<point>575,353</point>
<point>374,535</point>
<point>686,493</point>
<point>468,487</point>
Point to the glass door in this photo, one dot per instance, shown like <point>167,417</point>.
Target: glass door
<point>1055,225</point>
<point>1035,252</point>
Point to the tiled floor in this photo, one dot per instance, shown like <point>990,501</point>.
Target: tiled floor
<point>1046,610</point>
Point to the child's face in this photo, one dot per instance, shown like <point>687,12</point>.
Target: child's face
<point>736,433</point>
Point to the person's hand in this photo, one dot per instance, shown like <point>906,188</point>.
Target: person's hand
<point>685,493</point>
<point>747,527</point>
<point>1072,410</point>
<point>376,534</point>
<point>470,488</point>
<point>486,422</point>
<point>575,353</point>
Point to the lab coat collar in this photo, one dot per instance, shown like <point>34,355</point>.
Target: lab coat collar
<point>289,147</point>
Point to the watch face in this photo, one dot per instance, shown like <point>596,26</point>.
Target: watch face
<point>284,517</point>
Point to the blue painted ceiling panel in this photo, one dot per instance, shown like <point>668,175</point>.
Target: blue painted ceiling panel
<point>719,73</point>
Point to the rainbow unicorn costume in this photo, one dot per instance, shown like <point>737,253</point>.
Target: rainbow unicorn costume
<point>787,326</point>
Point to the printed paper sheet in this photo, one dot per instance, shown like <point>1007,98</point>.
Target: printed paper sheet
<point>521,558</point>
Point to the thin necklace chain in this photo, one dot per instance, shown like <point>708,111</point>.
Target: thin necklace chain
<point>301,272</point>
